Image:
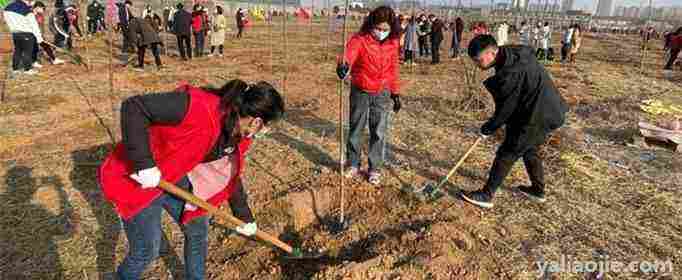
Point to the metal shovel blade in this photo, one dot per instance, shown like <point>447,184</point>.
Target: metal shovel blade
<point>428,191</point>
<point>338,226</point>
<point>305,254</point>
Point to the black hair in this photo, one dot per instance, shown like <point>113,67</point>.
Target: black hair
<point>38,4</point>
<point>179,6</point>
<point>380,15</point>
<point>239,99</point>
<point>196,7</point>
<point>128,2</point>
<point>481,43</point>
<point>219,9</point>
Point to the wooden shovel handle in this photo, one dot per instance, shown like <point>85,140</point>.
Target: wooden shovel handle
<point>215,211</point>
<point>461,160</point>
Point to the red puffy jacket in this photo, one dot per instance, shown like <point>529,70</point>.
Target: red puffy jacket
<point>374,64</point>
<point>197,22</point>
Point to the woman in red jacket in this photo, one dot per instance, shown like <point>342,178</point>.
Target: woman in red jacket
<point>372,59</point>
<point>196,138</point>
<point>198,28</point>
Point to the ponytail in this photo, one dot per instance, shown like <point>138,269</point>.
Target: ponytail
<point>239,99</point>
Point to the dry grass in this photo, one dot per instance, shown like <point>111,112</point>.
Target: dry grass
<point>604,197</point>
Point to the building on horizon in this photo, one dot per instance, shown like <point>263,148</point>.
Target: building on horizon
<point>605,8</point>
<point>520,4</point>
<point>567,5</point>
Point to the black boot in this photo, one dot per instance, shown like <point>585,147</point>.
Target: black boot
<point>480,198</point>
<point>535,193</point>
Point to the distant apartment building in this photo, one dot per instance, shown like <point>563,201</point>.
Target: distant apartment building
<point>605,8</point>
<point>567,5</point>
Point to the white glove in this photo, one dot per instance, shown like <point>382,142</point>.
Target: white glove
<point>247,229</point>
<point>148,178</point>
<point>483,136</point>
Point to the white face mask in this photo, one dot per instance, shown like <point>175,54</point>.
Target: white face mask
<point>381,35</point>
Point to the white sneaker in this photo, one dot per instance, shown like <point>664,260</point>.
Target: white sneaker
<point>37,65</point>
<point>210,55</point>
<point>668,74</point>
<point>57,61</point>
<point>221,55</point>
<point>31,72</point>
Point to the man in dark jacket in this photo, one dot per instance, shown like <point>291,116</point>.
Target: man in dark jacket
<point>182,27</point>
<point>529,106</point>
<point>437,27</point>
<point>143,33</point>
<point>95,11</point>
<point>457,36</point>
<point>124,16</point>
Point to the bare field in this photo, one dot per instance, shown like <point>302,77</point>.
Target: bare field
<point>607,196</point>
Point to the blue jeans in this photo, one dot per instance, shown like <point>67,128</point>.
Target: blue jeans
<point>372,109</point>
<point>199,39</point>
<point>144,237</point>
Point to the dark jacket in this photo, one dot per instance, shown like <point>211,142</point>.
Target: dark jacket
<point>182,23</point>
<point>95,11</point>
<point>123,15</point>
<point>240,19</point>
<point>437,28</point>
<point>526,100</point>
<point>143,32</point>
<point>459,27</point>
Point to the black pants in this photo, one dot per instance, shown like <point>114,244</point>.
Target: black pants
<point>504,161</point>
<point>435,51</point>
<point>239,33</point>
<point>155,51</point>
<point>92,26</point>
<point>671,61</point>
<point>408,55</point>
<point>565,49</point>
<point>22,59</point>
<point>59,40</point>
<point>220,49</point>
<point>126,41</point>
<point>185,46</point>
<point>199,39</point>
<point>423,46</point>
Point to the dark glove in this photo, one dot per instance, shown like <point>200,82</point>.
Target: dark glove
<point>342,70</point>
<point>396,103</point>
<point>487,129</point>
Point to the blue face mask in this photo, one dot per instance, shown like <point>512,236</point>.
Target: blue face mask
<point>381,35</point>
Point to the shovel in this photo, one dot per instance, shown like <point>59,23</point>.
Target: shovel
<point>293,253</point>
<point>77,59</point>
<point>431,191</point>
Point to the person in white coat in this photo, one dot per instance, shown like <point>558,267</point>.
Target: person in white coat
<point>545,41</point>
<point>537,35</point>
<point>502,34</point>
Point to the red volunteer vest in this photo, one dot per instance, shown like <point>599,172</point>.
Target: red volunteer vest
<point>176,149</point>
